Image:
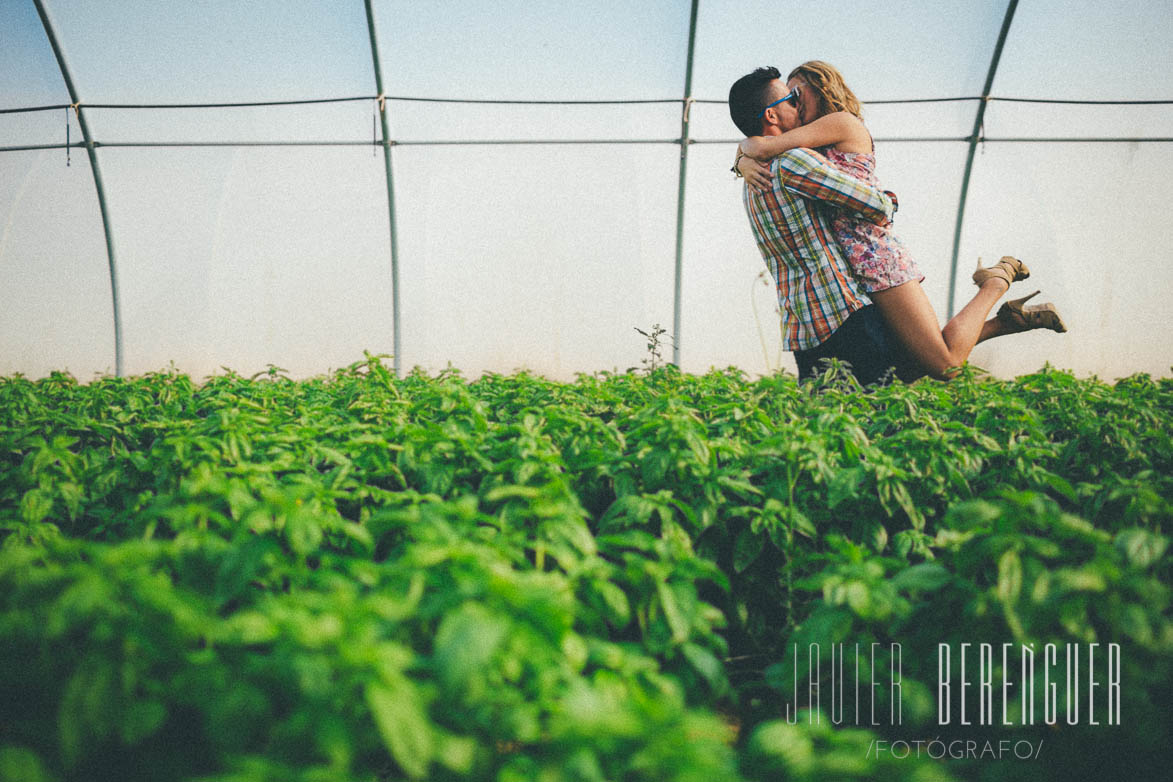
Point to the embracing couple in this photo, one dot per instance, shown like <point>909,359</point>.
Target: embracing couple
<point>847,286</point>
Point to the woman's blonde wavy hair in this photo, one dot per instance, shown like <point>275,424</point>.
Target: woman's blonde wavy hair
<point>827,82</point>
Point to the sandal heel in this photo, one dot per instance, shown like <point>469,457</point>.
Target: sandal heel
<point>1016,314</point>
<point>1009,269</point>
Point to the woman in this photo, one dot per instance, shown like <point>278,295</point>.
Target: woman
<point>831,122</point>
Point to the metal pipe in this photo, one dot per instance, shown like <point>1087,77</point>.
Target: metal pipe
<point>684,142</point>
<point>528,102</point>
<point>397,342</point>
<point>725,102</point>
<point>157,144</point>
<point>406,98</point>
<point>1081,102</point>
<point>490,142</point>
<point>231,104</point>
<point>522,142</point>
<point>1076,139</point>
<point>47,23</point>
<point>35,147</point>
<point>27,109</point>
<point>512,102</point>
<point>877,139</point>
<point>973,142</point>
<point>450,143</point>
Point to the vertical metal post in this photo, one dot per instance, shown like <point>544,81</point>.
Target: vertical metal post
<point>684,142</point>
<point>973,142</point>
<point>396,338</point>
<point>47,23</point>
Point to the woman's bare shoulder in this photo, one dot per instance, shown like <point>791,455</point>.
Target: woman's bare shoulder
<point>853,133</point>
<point>843,119</point>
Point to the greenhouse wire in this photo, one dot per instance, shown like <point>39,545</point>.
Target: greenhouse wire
<point>518,102</point>
<point>684,142</point>
<point>388,171</point>
<point>978,119</point>
<point>549,142</point>
<point>47,23</point>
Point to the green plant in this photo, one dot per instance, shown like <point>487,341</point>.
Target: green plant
<point>654,360</point>
<point>364,576</point>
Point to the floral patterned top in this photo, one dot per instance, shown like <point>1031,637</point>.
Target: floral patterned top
<point>876,255</point>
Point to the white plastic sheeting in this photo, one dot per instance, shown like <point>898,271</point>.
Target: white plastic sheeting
<point>538,255</point>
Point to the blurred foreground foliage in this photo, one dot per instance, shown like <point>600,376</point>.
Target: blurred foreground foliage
<point>365,577</point>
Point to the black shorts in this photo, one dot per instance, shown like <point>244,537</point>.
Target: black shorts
<point>864,342</point>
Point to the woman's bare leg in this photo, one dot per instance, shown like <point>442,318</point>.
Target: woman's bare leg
<point>912,319</point>
<point>997,328</point>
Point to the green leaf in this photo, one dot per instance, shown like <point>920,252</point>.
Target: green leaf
<point>72,494</point>
<point>968,515</point>
<point>359,534</point>
<point>678,623</point>
<point>18,764</point>
<point>828,624</point>
<point>858,597</point>
<point>844,486</point>
<point>249,628</point>
<point>403,724</point>
<point>1070,526</point>
<point>1009,577</point>
<point>35,505</point>
<point>800,523</point>
<point>1062,487</point>
<point>699,448</point>
<point>240,566</point>
<point>925,577</point>
<point>785,749</point>
<point>874,534</point>
<point>456,753</point>
<point>1140,547</point>
<point>465,642</point>
<point>303,532</point>
<point>86,712</point>
<point>738,485</point>
<point>706,664</point>
<point>748,547</point>
<point>616,601</point>
<point>1133,621</point>
<point>499,493</point>
<point>1084,579</point>
<point>142,719</point>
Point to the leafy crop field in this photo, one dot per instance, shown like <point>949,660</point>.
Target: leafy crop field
<point>622,578</point>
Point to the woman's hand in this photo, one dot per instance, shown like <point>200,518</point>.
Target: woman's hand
<point>755,147</point>
<point>757,174</point>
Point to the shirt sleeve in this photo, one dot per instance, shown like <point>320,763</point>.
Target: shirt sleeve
<point>809,175</point>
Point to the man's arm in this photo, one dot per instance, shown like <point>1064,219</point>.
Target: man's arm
<point>809,175</point>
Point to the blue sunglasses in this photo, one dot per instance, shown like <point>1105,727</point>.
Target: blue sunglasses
<point>791,96</point>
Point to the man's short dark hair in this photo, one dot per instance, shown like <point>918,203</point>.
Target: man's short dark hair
<point>747,96</point>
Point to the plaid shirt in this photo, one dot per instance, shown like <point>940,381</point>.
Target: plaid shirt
<point>816,290</point>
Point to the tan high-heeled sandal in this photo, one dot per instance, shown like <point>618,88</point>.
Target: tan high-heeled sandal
<point>1036,316</point>
<point>1009,269</point>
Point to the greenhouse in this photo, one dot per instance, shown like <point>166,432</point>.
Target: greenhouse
<point>395,390</point>
<point>225,237</point>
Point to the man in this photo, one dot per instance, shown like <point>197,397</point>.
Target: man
<point>825,312</point>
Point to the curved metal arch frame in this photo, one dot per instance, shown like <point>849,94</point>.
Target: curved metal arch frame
<point>47,23</point>
<point>684,142</point>
<point>390,178</point>
<point>974,138</point>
